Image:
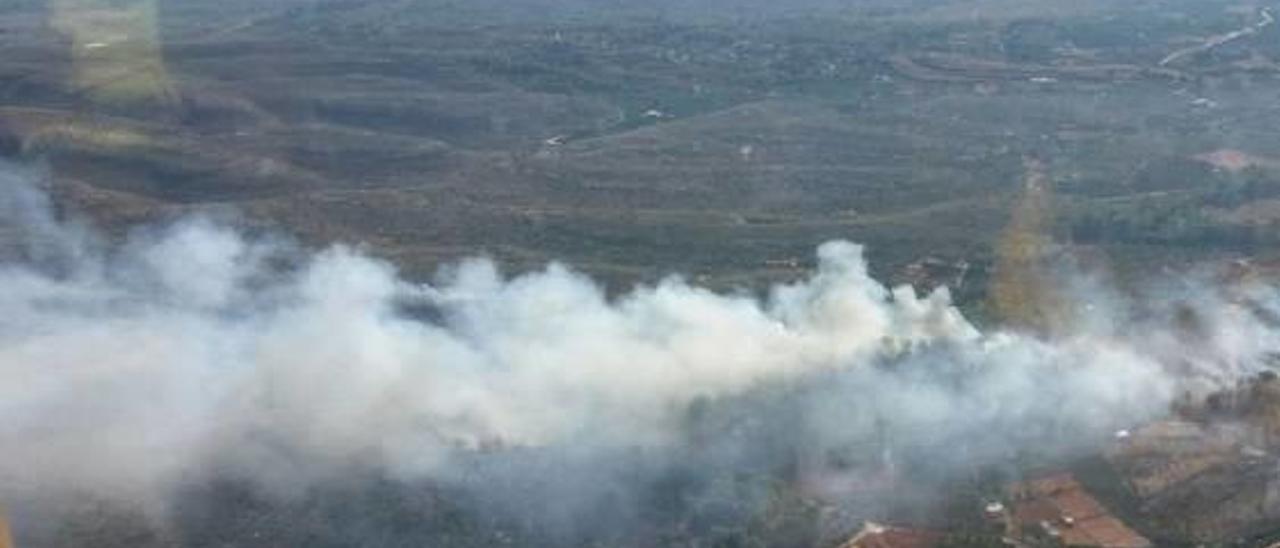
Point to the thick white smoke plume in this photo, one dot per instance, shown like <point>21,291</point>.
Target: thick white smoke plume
<point>127,369</point>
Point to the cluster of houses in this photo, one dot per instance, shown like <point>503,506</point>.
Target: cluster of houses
<point>1207,475</point>
<point>1049,511</point>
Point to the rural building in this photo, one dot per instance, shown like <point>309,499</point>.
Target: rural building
<point>1057,511</point>
<point>874,535</point>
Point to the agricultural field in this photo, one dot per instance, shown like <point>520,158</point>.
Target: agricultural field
<point>637,142</point>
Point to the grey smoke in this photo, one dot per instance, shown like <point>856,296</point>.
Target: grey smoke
<point>129,371</point>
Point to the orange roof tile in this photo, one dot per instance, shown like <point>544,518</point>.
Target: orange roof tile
<point>1080,519</point>
<point>1044,486</point>
<point>1109,532</point>
<point>1035,511</point>
<point>879,536</point>
<point>1077,504</point>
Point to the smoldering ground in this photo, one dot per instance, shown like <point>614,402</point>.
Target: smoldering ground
<point>224,388</point>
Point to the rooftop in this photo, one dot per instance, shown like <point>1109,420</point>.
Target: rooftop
<point>1059,506</point>
<point>874,535</point>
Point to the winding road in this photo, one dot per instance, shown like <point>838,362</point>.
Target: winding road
<point>1267,20</point>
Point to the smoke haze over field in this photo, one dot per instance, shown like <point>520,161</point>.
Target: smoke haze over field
<point>134,371</point>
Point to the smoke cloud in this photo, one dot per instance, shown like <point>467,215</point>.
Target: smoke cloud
<point>134,371</point>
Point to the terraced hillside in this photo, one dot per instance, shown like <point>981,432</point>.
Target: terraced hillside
<point>722,140</point>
